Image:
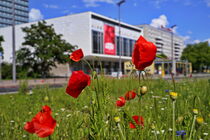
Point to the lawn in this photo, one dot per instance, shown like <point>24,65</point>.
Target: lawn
<point>93,114</point>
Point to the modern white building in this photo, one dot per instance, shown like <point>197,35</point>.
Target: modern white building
<point>17,9</point>
<point>97,35</point>
<point>164,40</point>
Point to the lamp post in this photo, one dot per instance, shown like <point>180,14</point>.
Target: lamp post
<point>172,51</point>
<point>0,65</point>
<point>13,43</point>
<point>120,46</point>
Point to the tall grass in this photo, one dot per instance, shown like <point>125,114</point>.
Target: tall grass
<point>91,115</point>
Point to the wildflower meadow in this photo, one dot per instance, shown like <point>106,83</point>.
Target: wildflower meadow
<point>99,107</point>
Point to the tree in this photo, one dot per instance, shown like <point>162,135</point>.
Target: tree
<point>1,48</point>
<point>44,48</point>
<point>198,55</point>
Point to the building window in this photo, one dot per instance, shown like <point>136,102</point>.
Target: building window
<point>97,41</point>
<point>127,46</point>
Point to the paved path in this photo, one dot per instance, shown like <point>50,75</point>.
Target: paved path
<point>9,86</point>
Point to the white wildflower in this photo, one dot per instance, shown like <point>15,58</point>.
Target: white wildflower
<point>170,129</point>
<point>68,115</point>
<point>157,132</point>
<point>56,114</point>
<point>205,134</point>
<point>62,109</point>
<point>85,107</point>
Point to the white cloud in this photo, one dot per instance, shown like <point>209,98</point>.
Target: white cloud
<point>186,38</point>
<point>51,6</point>
<point>94,3</point>
<point>207,3</point>
<point>158,22</point>
<point>157,3</point>
<point>208,40</point>
<point>35,15</point>
<point>196,41</point>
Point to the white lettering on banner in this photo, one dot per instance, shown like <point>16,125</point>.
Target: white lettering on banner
<point>109,46</point>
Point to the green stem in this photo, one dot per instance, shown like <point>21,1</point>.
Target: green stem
<point>172,76</point>
<point>139,78</point>
<point>173,119</point>
<point>140,103</point>
<point>121,132</point>
<point>193,123</point>
<point>156,138</point>
<point>49,138</point>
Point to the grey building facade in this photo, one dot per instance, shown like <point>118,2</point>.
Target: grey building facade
<point>165,41</point>
<point>17,9</point>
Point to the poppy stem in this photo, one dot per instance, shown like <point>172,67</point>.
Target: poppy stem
<point>193,123</point>
<point>173,106</point>
<point>88,65</point>
<point>139,77</point>
<point>49,138</point>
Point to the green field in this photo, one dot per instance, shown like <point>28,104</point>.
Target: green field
<point>91,115</point>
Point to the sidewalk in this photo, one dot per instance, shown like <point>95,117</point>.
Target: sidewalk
<point>34,82</point>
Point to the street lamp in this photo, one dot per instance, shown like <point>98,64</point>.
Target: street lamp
<point>172,51</point>
<point>0,65</point>
<point>13,43</point>
<point>120,46</point>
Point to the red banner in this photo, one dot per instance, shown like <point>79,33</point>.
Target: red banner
<point>109,40</point>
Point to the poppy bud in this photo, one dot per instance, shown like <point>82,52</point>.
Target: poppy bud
<point>143,90</point>
<point>180,119</point>
<point>46,98</point>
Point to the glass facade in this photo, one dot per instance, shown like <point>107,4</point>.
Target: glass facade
<point>126,44</point>
<point>21,12</point>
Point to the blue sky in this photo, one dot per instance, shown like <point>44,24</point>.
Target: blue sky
<point>192,17</point>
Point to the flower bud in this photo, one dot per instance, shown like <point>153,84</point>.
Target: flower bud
<point>143,90</point>
<point>195,111</point>
<point>46,98</point>
<point>173,95</point>
<point>180,119</point>
<point>199,120</point>
<point>117,119</point>
<point>152,126</point>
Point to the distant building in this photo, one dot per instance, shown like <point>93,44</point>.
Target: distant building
<point>21,12</point>
<point>97,35</point>
<point>163,40</point>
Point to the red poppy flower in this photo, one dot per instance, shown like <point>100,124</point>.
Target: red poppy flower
<point>42,124</point>
<point>77,82</point>
<point>130,95</point>
<point>77,55</point>
<point>120,102</point>
<point>139,120</point>
<point>144,53</point>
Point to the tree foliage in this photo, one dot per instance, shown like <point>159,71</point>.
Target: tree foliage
<point>198,55</point>
<point>44,48</point>
<point>1,48</point>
